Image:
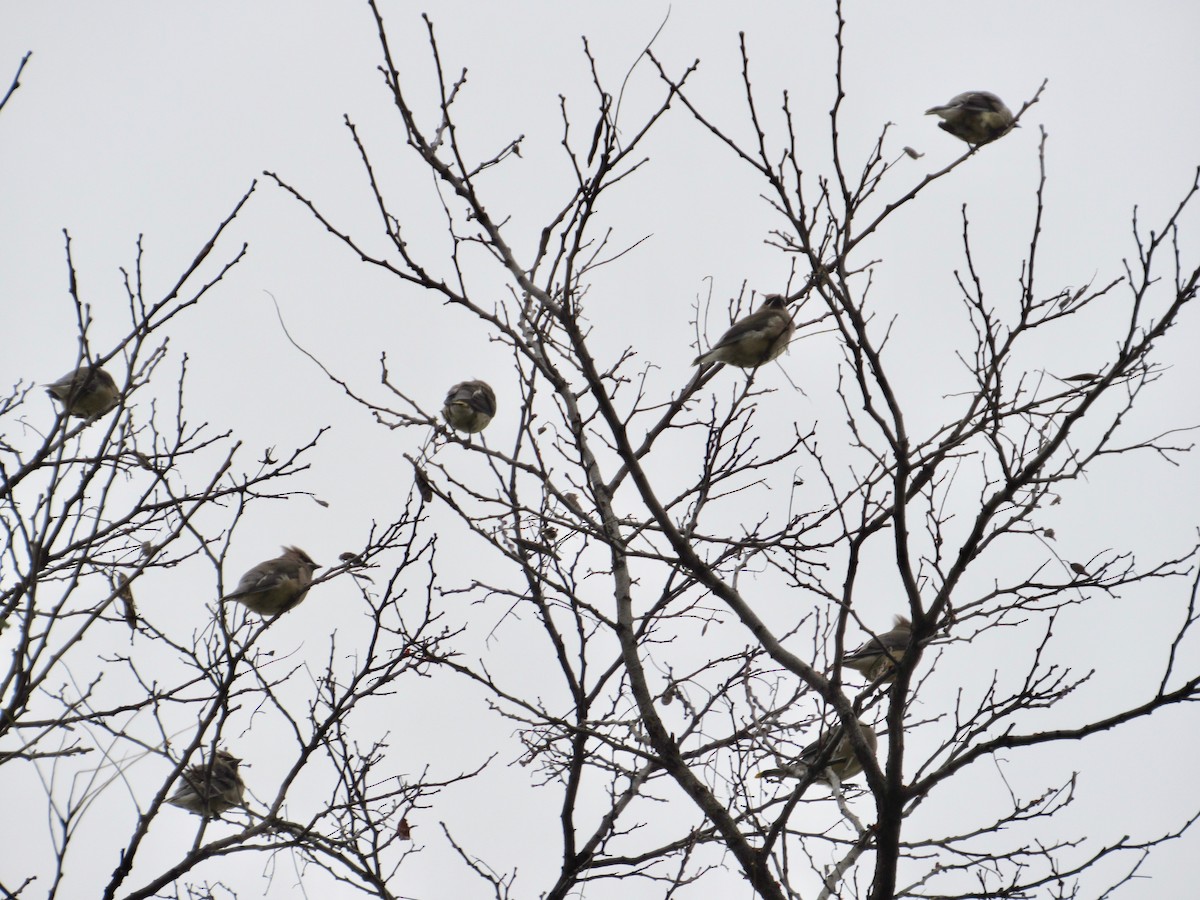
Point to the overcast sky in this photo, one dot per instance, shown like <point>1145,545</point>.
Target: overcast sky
<point>152,119</point>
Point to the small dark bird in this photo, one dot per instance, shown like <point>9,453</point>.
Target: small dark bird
<point>210,790</point>
<point>87,392</point>
<point>470,406</point>
<point>843,763</point>
<point>277,585</point>
<point>756,339</point>
<point>977,117</point>
<point>881,653</point>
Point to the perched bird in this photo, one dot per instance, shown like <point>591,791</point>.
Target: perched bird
<point>87,392</point>
<point>842,762</point>
<point>756,339</point>
<point>470,406</point>
<point>277,585</point>
<point>976,117</point>
<point>881,653</point>
<point>210,788</point>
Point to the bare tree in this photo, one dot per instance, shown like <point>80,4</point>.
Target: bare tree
<point>610,478</point>
<point>110,509</point>
<point>679,562</point>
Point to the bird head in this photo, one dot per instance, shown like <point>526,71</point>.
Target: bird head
<point>301,558</point>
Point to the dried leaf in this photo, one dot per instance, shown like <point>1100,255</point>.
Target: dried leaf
<point>598,133</point>
<point>424,488</point>
<point>1069,300</point>
<point>125,592</point>
<point>404,830</point>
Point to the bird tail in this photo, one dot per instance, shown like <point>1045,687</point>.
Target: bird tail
<point>799,770</point>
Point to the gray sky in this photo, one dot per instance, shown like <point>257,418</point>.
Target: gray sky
<point>146,118</point>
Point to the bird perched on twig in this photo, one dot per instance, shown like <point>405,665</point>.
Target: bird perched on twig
<point>470,406</point>
<point>976,117</point>
<point>211,788</point>
<point>842,762</point>
<point>881,653</point>
<point>277,585</point>
<point>87,392</point>
<point>756,339</point>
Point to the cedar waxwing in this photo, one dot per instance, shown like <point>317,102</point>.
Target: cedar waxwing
<point>277,585</point>
<point>470,406</point>
<point>881,653</point>
<point>209,793</point>
<point>756,339</point>
<point>976,117</point>
<point>843,763</point>
<point>87,392</point>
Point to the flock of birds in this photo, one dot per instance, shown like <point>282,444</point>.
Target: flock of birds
<point>277,585</point>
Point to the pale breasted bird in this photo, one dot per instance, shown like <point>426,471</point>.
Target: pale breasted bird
<point>209,790</point>
<point>87,392</point>
<point>976,117</point>
<point>881,653</point>
<point>756,339</point>
<point>843,762</point>
<point>470,406</point>
<point>277,585</point>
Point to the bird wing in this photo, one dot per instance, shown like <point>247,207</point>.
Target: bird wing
<point>263,577</point>
<point>482,401</point>
<point>893,642</point>
<point>62,387</point>
<point>812,753</point>
<point>982,101</point>
<point>868,650</point>
<point>763,324</point>
<point>476,395</point>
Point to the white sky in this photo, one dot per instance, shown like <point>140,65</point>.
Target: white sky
<point>150,118</point>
